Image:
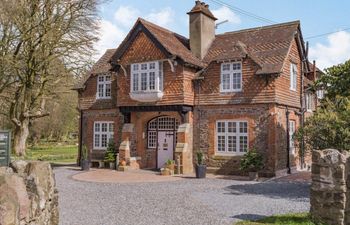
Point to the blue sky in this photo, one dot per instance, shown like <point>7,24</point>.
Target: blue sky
<point>317,17</point>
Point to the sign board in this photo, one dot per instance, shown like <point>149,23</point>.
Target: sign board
<point>5,147</point>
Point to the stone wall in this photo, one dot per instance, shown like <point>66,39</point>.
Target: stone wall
<point>28,195</point>
<point>330,189</point>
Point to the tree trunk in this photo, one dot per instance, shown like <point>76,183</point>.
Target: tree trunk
<point>21,134</point>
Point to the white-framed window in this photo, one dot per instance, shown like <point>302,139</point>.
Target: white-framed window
<point>147,77</point>
<point>103,133</point>
<point>231,137</point>
<point>291,136</point>
<point>231,77</point>
<point>293,76</point>
<point>309,102</point>
<point>320,94</point>
<point>163,123</point>
<point>104,86</point>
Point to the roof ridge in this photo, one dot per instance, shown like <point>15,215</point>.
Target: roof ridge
<point>262,27</point>
<point>142,20</point>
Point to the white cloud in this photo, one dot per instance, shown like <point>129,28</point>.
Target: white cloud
<point>163,17</point>
<point>126,15</point>
<point>225,13</point>
<point>110,37</point>
<point>335,51</point>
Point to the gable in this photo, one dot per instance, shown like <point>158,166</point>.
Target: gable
<point>141,49</point>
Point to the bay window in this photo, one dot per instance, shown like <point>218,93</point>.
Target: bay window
<point>103,134</point>
<point>231,137</point>
<point>147,77</point>
<point>104,86</point>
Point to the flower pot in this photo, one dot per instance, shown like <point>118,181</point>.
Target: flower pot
<point>253,175</point>
<point>122,163</point>
<point>165,172</point>
<point>170,166</point>
<point>112,165</point>
<point>85,165</point>
<point>201,171</point>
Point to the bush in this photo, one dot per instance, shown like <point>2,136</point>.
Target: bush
<point>252,161</point>
<point>329,127</point>
<point>110,153</point>
<point>200,158</point>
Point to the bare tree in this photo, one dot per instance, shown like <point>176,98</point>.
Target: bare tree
<point>41,42</point>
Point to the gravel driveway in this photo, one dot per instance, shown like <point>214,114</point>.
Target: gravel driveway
<point>187,201</point>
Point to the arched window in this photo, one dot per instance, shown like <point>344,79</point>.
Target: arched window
<point>162,123</point>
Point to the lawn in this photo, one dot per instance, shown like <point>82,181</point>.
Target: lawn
<point>287,219</point>
<point>53,153</point>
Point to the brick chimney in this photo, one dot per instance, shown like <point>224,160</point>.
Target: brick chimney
<point>202,29</point>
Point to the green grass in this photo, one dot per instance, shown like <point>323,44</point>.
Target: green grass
<point>53,153</point>
<point>287,219</point>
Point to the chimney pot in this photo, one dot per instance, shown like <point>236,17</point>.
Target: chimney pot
<point>207,6</point>
<point>203,3</point>
<point>198,2</point>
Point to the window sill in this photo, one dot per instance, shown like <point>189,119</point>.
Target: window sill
<point>146,96</point>
<point>99,149</point>
<point>103,98</point>
<point>224,155</point>
<point>230,91</point>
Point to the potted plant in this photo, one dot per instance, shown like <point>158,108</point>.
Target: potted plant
<point>170,164</point>
<point>110,154</point>
<point>252,162</point>
<point>84,161</point>
<point>201,168</point>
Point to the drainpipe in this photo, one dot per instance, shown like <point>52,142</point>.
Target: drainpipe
<point>80,137</point>
<point>287,125</point>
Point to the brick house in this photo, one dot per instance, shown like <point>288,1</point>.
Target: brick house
<point>162,96</point>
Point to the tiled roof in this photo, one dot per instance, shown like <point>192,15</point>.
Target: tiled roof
<point>101,66</point>
<point>268,46</point>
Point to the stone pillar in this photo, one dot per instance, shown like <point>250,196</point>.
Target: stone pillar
<point>125,145</point>
<point>347,207</point>
<point>184,148</point>
<point>328,194</point>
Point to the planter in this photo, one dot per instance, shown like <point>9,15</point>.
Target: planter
<point>85,165</point>
<point>171,167</point>
<point>112,165</point>
<point>201,171</point>
<point>253,175</point>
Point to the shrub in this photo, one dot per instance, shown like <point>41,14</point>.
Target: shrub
<point>252,161</point>
<point>200,158</point>
<point>110,153</point>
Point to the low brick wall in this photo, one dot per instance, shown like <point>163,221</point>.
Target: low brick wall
<point>330,189</point>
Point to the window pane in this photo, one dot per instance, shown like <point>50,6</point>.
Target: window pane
<point>97,140</point>
<point>236,81</point>
<point>97,127</point>
<point>225,67</point>
<point>236,66</point>
<point>243,143</point>
<point>104,140</point>
<point>243,127</point>
<point>108,90</point>
<point>152,66</point>
<point>152,139</point>
<point>100,78</point>
<point>144,66</point>
<point>144,81</point>
<point>107,78</point>
<point>221,143</point>
<point>135,82</point>
<point>135,67</point>
<point>160,76</point>
<point>231,127</point>
<point>221,127</point>
<point>111,127</point>
<point>100,90</point>
<point>104,127</point>
<point>152,80</point>
<point>231,143</point>
<point>226,81</point>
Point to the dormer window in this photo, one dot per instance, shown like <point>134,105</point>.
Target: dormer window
<point>146,83</point>
<point>104,87</point>
<point>231,77</point>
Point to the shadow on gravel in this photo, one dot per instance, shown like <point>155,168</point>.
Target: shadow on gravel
<point>292,191</point>
<point>248,217</point>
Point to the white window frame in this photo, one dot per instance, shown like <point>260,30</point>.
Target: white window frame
<point>104,82</point>
<point>293,76</point>
<point>309,101</point>
<point>109,133</point>
<point>320,94</point>
<point>292,129</point>
<point>137,69</point>
<point>237,134</point>
<point>231,72</point>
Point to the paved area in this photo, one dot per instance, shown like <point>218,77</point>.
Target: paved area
<point>174,201</point>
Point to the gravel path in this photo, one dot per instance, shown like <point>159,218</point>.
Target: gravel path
<point>187,201</point>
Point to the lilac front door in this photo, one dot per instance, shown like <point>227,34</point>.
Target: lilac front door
<point>165,147</point>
